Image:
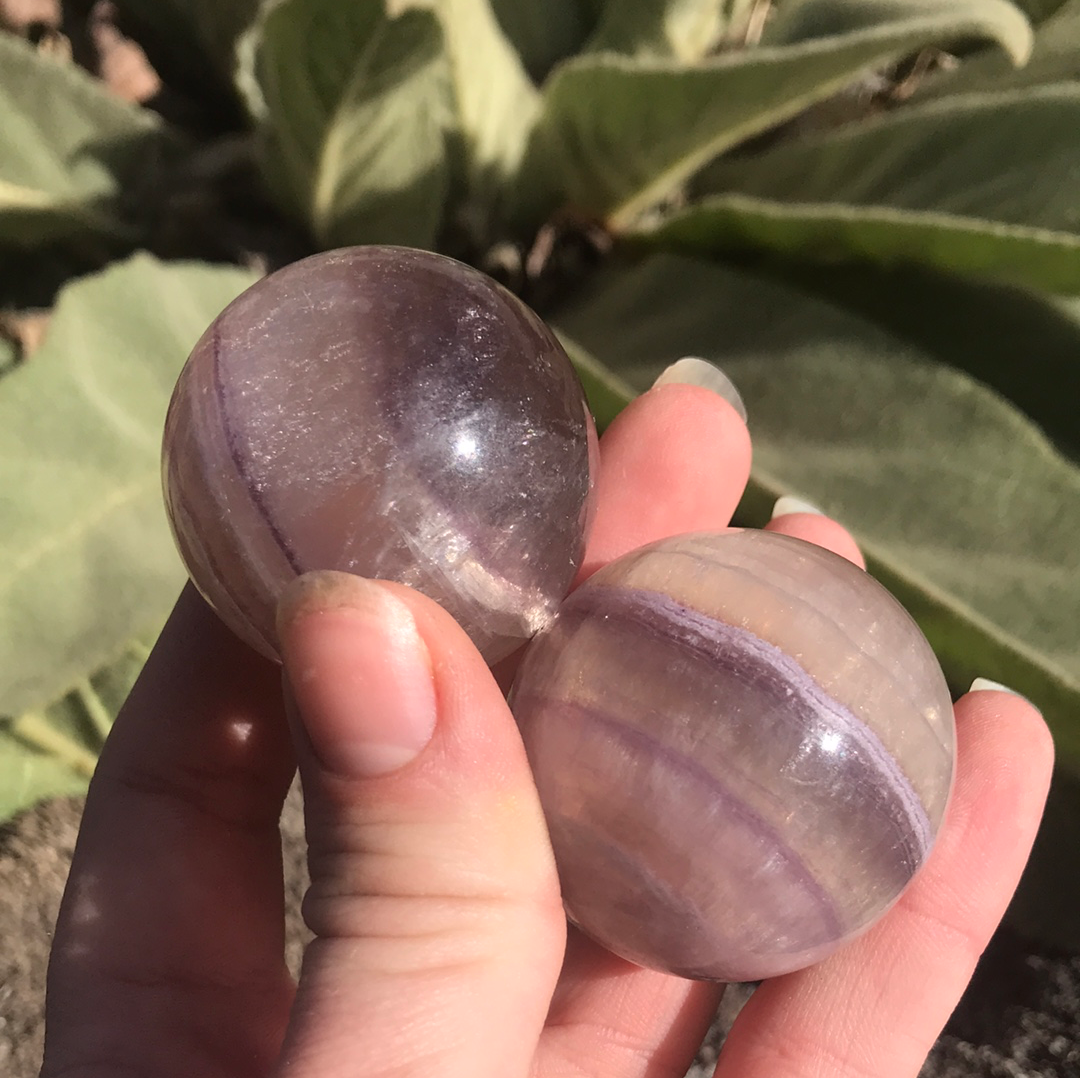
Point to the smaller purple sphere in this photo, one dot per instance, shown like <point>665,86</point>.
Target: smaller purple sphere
<point>387,412</point>
<point>744,747</point>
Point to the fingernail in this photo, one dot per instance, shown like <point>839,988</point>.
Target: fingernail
<point>787,504</point>
<point>692,371</point>
<point>983,684</point>
<point>359,672</point>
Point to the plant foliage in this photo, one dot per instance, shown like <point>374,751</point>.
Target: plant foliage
<point>865,210</point>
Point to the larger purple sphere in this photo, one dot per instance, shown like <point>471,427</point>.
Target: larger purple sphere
<point>388,412</point>
<point>744,747</point>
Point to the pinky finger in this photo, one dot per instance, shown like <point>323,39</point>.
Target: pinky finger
<point>803,521</point>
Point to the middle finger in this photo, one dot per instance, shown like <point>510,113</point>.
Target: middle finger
<point>675,460</point>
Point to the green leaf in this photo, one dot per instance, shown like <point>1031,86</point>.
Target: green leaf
<point>678,29</point>
<point>39,767</point>
<point>355,108</point>
<point>68,149</point>
<point>52,752</point>
<point>321,74</point>
<point>987,329</point>
<point>86,559</point>
<point>804,20</point>
<point>970,184</point>
<point>1055,57</point>
<point>964,509</point>
<point>618,135</point>
<point>1040,10</point>
<point>8,355</point>
<point>496,102</point>
<point>605,391</point>
<point>881,234</point>
<point>544,34</point>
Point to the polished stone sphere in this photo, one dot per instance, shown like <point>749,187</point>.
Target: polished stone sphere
<point>388,412</point>
<point>743,746</point>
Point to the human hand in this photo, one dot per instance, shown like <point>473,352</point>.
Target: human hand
<point>441,945</point>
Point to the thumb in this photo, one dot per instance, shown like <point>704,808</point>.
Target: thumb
<point>434,901</point>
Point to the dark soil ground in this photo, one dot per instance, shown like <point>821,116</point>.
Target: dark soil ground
<point>1019,1019</point>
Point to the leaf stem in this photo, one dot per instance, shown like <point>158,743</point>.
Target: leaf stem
<point>33,728</point>
<point>95,708</point>
<point>139,650</point>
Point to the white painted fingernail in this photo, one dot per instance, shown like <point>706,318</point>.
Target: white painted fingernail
<point>787,504</point>
<point>692,371</point>
<point>982,684</point>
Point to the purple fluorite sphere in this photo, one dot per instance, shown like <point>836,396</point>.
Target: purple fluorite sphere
<point>388,412</point>
<point>744,747</point>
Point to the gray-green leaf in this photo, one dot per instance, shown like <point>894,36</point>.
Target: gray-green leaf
<point>803,20</point>
<point>7,356</point>
<point>355,109</point>
<point>86,559</point>
<point>543,34</point>
<point>988,329</point>
<point>1054,58</point>
<point>68,148</point>
<point>679,29</point>
<point>51,752</point>
<point>969,183</point>
<point>495,101</point>
<point>618,135</point>
<point>1040,10</point>
<point>962,506</point>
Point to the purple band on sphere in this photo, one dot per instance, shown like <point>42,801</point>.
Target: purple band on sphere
<point>237,457</point>
<point>778,678</point>
<point>737,740</point>
<point>687,772</point>
<point>388,412</point>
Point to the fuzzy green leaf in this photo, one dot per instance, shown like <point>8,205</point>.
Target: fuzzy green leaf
<point>8,356</point>
<point>86,559</point>
<point>543,34</point>
<point>606,392</point>
<point>981,327</point>
<point>495,101</point>
<point>355,108</point>
<point>1054,58</point>
<point>678,29</point>
<point>618,135</point>
<point>1040,10</point>
<point>52,752</point>
<point>804,20</point>
<point>969,183</point>
<point>34,768</point>
<point>68,148</point>
<point>964,509</point>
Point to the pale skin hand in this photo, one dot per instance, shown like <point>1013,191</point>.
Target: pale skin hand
<point>441,944</point>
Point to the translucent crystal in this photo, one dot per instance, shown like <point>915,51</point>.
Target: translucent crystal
<point>387,412</point>
<point>744,747</point>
